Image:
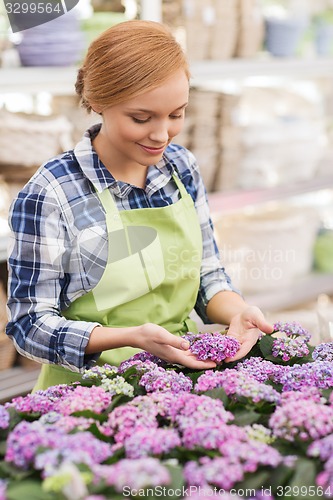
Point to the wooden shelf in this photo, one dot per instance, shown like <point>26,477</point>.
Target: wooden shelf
<point>61,80</point>
<point>224,201</point>
<point>303,290</point>
<point>17,381</point>
<point>267,66</point>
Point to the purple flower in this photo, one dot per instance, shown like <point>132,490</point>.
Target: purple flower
<point>211,436</point>
<point>301,419</point>
<point>4,418</point>
<point>124,420</point>
<point>164,402</point>
<point>151,441</point>
<point>292,329</point>
<point>213,346</point>
<point>288,348</point>
<point>140,359</point>
<point>258,368</point>
<point>323,448</point>
<point>317,374</point>
<point>99,372</point>
<point>133,474</point>
<point>26,441</point>
<point>163,380</point>
<point>66,422</point>
<point>191,409</point>
<point>78,448</point>
<point>41,402</point>
<point>94,398</point>
<point>238,458</point>
<point>219,472</point>
<point>323,352</point>
<point>3,488</point>
<point>237,383</point>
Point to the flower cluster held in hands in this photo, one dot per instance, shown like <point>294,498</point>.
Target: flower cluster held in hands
<point>213,346</point>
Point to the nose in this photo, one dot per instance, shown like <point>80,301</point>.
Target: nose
<point>160,132</point>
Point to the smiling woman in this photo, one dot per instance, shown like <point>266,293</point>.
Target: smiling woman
<point>91,274</point>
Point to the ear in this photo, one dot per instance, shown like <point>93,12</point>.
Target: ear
<point>97,109</point>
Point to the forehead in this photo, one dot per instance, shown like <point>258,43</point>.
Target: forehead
<point>171,93</point>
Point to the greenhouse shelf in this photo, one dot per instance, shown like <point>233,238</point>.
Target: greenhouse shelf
<point>60,81</point>
<point>221,202</point>
<point>303,290</point>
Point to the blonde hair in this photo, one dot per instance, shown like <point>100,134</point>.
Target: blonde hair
<point>127,60</point>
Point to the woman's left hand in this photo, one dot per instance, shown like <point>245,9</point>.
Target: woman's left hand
<point>246,328</point>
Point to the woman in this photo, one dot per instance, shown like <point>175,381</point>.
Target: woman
<point>112,242</point>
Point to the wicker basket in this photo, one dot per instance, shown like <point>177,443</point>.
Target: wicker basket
<point>29,140</point>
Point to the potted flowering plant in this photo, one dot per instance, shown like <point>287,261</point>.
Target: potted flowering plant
<point>262,427</point>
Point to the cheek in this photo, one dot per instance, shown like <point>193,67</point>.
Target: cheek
<point>129,132</point>
<point>176,128</point>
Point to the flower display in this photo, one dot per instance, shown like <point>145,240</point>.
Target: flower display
<point>159,379</point>
<point>288,348</point>
<point>4,417</point>
<point>323,352</point>
<point>214,346</point>
<point>150,429</point>
<point>292,329</point>
<point>237,383</point>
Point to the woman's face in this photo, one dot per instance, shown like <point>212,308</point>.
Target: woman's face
<point>138,131</point>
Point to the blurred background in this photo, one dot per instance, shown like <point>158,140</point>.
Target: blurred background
<point>260,122</point>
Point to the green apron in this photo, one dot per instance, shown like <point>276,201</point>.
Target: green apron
<point>152,276</point>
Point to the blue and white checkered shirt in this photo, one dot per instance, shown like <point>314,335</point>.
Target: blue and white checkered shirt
<point>58,246</point>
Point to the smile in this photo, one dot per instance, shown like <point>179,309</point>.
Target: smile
<point>152,151</point>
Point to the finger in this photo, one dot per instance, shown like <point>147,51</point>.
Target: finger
<point>264,325</point>
<point>175,341</point>
<point>198,365</point>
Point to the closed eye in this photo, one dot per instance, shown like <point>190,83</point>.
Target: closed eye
<point>137,120</point>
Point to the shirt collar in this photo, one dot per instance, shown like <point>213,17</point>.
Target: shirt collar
<point>157,177</point>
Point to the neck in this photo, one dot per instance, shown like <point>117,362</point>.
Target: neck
<point>132,173</point>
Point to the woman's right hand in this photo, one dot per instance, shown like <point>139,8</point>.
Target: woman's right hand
<point>172,348</point>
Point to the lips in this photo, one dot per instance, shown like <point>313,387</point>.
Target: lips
<point>152,151</point>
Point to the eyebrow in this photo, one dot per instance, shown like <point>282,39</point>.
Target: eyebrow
<point>149,111</point>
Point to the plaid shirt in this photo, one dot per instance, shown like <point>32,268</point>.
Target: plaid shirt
<point>58,245</point>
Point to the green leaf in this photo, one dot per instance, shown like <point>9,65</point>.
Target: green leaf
<point>254,481</point>
<point>266,344</point>
<point>218,393</point>
<point>28,490</point>
<point>177,479</point>
<point>90,414</point>
<point>245,417</point>
<point>120,399</point>
<point>8,470</point>
<point>279,477</point>
<point>305,473</point>
<point>3,446</point>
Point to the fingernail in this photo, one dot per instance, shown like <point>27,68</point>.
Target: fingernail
<point>185,345</point>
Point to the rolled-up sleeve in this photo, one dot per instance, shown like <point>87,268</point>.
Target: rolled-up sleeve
<point>38,277</point>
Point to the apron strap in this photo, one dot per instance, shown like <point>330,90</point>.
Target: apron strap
<point>113,221</point>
